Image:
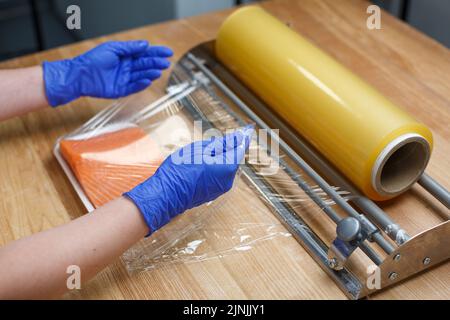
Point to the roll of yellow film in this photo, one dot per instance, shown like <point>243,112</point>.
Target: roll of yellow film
<point>375,144</point>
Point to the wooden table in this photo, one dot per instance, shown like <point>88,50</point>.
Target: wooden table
<point>405,65</point>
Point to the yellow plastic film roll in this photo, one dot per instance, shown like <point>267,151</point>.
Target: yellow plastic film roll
<point>375,144</point>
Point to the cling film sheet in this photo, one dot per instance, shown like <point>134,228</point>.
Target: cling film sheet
<point>124,145</point>
<point>218,233</point>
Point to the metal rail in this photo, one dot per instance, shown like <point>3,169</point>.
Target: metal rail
<point>435,189</point>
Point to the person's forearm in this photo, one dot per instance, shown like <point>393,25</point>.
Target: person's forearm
<point>21,91</point>
<point>36,266</point>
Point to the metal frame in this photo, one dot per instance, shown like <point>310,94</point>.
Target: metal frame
<point>408,256</point>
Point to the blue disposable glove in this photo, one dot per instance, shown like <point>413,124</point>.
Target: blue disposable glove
<point>195,174</point>
<point>111,70</point>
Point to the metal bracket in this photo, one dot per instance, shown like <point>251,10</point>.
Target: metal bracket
<point>419,253</point>
<point>350,234</point>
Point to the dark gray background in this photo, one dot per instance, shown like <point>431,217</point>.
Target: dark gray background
<point>28,26</point>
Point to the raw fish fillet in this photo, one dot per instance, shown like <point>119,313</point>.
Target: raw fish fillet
<point>112,163</point>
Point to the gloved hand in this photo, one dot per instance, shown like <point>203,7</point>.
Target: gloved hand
<point>195,174</point>
<point>111,70</point>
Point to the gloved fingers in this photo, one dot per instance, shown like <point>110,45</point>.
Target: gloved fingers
<point>144,63</point>
<point>158,51</point>
<point>146,74</point>
<point>128,48</point>
<point>236,155</point>
<point>218,145</point>
<point>229,149</point>
<point>137,86</point>
<point>232,140</point>
<point>247,133</point>
<point>241,136</point>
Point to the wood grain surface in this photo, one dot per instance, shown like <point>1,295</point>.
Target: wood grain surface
<point>405,65</point>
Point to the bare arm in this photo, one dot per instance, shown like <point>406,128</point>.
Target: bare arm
<point>21,91</point>
<point>111,70</point>
<point>36,267</point>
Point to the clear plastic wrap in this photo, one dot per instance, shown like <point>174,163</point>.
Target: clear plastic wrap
<point>214,235</point>
<point>125,143</point>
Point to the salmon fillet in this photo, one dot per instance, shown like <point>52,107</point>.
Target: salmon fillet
<point>112,163</point>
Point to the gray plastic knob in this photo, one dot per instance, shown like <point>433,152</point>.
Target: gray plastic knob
<point>348,229</point>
